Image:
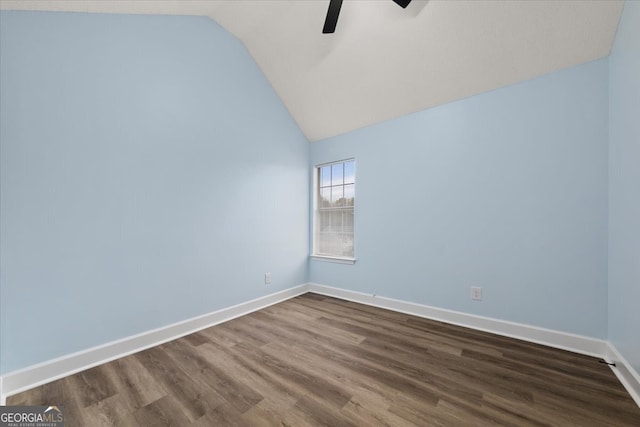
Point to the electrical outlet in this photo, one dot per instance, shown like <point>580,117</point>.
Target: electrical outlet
<point>267,278</point>
<point>476,293</point>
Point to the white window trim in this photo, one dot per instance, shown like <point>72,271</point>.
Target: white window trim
<point>322,257</point>
<point>334,259</point>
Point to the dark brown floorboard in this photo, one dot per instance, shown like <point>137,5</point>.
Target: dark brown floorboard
<point>315,360</point>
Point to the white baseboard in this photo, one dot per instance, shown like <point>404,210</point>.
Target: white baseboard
<point>562,340</point>
<point>551,338</point>
<point>51,370</point>
<point>628,376</point>
<point>42,373</point>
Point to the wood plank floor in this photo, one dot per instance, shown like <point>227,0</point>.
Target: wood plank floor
<point>315,360</point>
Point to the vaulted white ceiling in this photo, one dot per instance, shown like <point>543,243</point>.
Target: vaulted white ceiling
<point>384,61</point>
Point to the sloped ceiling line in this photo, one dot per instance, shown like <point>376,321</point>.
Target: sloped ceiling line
<point>384,61</point>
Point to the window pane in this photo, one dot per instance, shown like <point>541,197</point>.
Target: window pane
<point>335,234</point>
<point>325,197</point>
<point>325,176</point>
<point>349,194</point>
<point>337,196</point>
<point>347,222</point>
<point>334,216</point>
<point>337,176</point>
<point>347,244</point>
<point>336,221</point>
<point>349,172</point>
<point>329,243</point>
<point>324,219</point>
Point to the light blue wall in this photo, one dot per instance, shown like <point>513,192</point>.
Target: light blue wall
<point>624,187</point>
<point>149,174</point>
<point>506,190</point>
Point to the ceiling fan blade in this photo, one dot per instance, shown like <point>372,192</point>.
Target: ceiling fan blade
<point>402,3</point>
<point>332,16</point>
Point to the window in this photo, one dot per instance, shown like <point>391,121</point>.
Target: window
<point>333,210</point>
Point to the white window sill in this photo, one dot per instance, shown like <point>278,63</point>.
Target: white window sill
<point>337,260</point>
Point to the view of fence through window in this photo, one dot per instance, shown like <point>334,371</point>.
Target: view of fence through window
<point>335,205</point>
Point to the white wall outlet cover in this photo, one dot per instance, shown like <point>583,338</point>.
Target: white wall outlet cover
<point>476,293</point>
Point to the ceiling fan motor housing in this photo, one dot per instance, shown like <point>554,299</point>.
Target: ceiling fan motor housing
<point>334,11</point>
